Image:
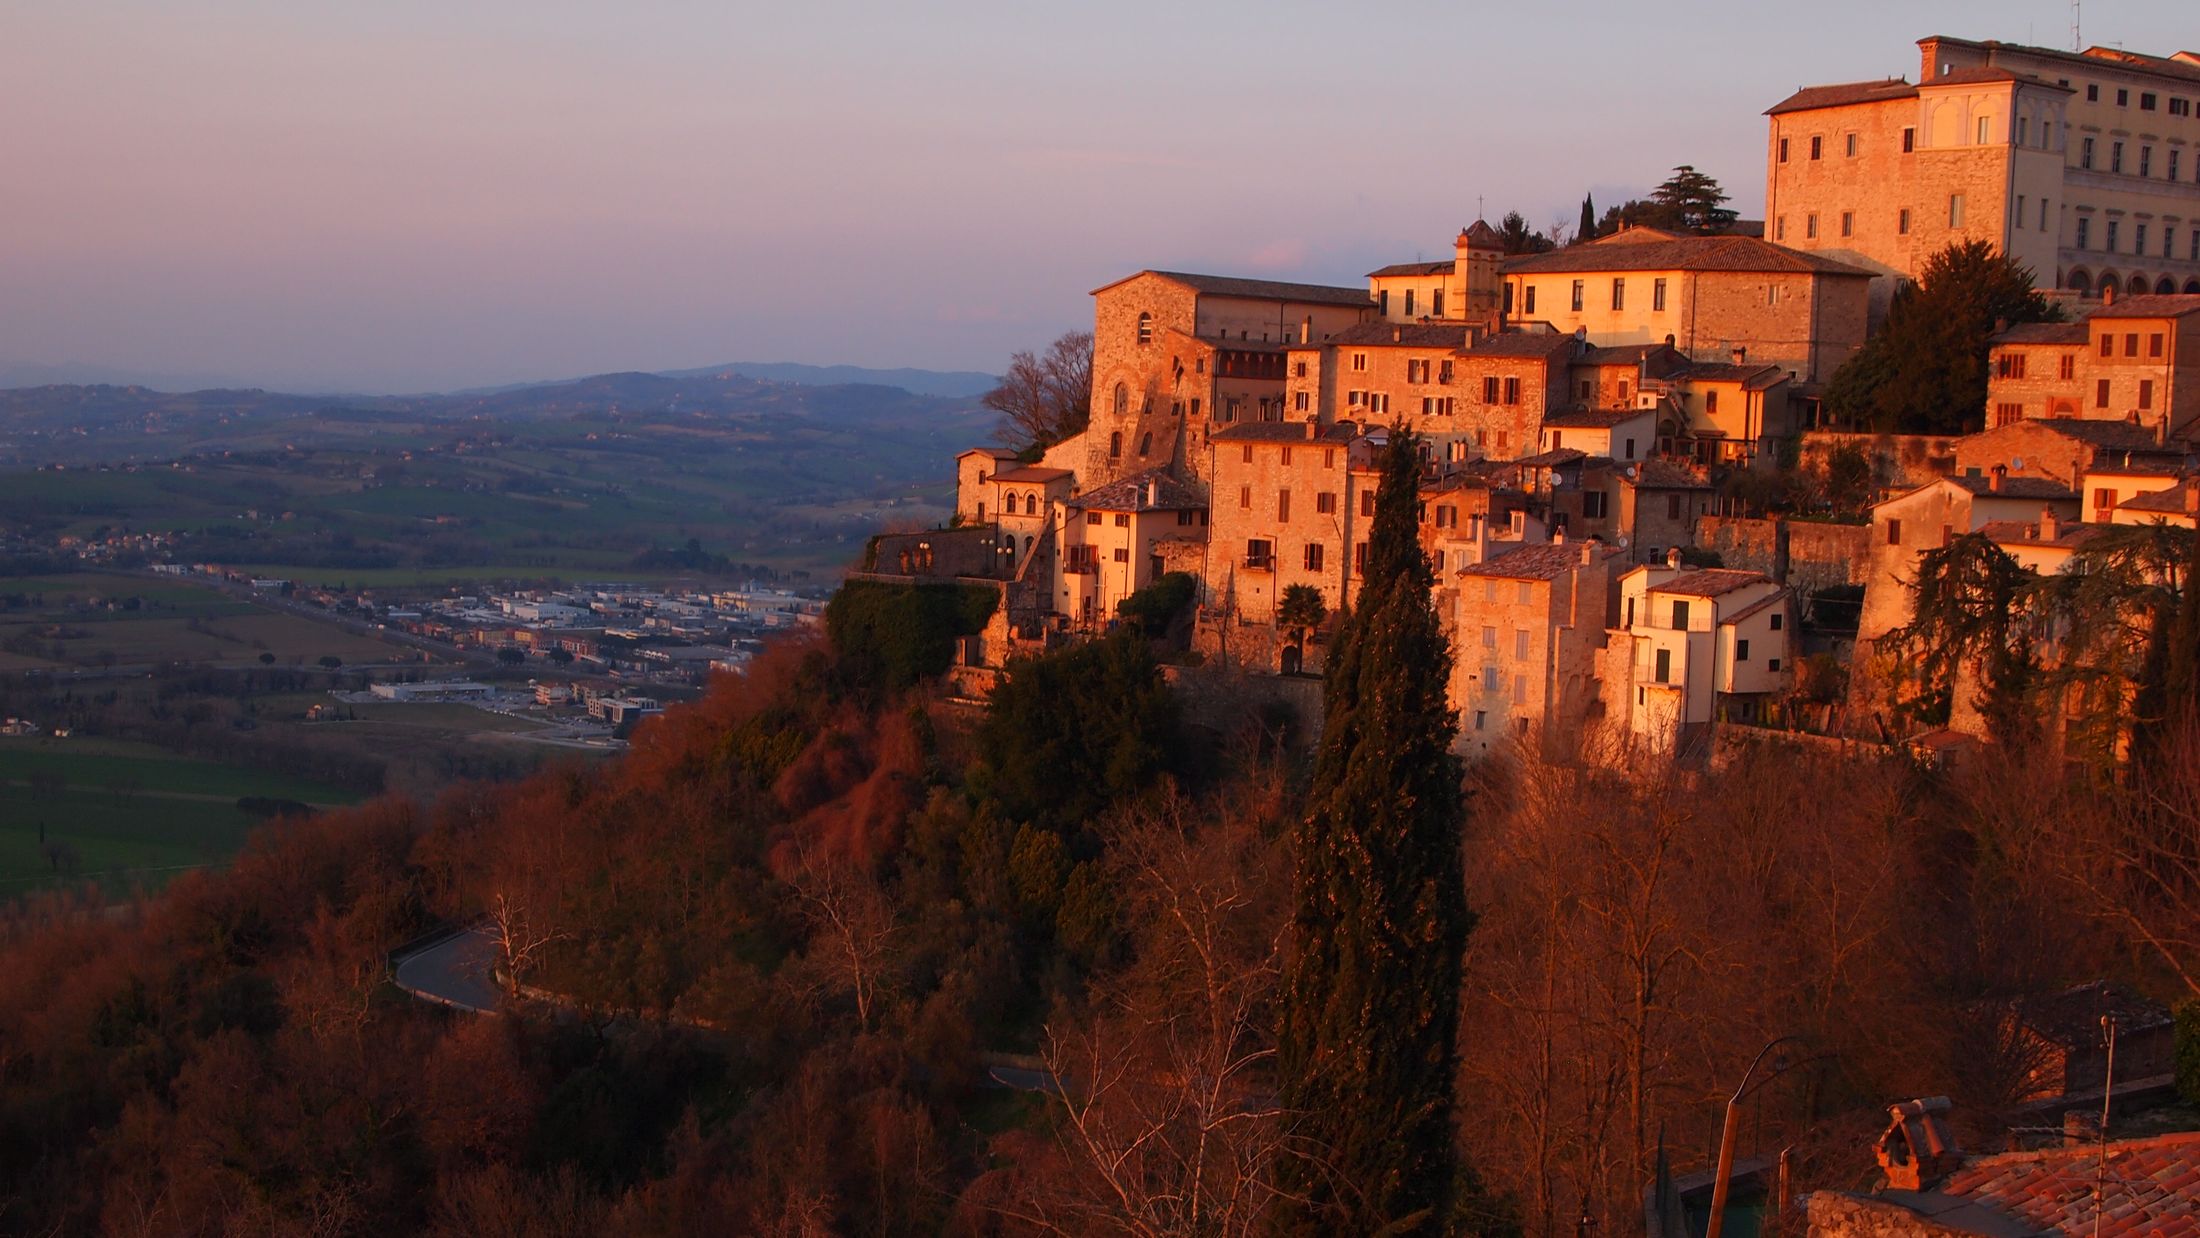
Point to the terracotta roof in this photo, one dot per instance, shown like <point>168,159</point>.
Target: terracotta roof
<point>1256,289</point>
<point>1682,253</point>
<point>2015,487</point>
<point>1287,432</point>
<point>2069,534</point>
<point>1592,418</point>
<point>1843,94</point>
<point>2095,57</point>
<point>1451,335</point>
<point>2148,1186</point>
<point>2170,500</point>
<point>2152,305</point>
<point>1445,267</point>
<point>1552,459</point>
<point>1031,472</point>
<point>1711,582</point>
<point>1538,562</point>
<point>1663,475</point>
<point>1623,354</point>
<point>2131,464</point>
<point>1131,494</point>
<point>1522,344</point>
<point>1775,598</point>
<point>1481,236</point>
<point>1755,377</point>
<point>2073,1016</point>
<point>2104,433</point>
<point>998,453</point>
<point>2043,333</point>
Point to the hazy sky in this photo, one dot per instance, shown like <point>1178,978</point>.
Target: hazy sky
<point>423,194</point>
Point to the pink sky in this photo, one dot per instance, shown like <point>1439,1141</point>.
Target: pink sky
<point>408,196</point>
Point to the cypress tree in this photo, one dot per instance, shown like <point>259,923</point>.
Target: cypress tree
<point>1368,1043</point>
<point>1587,230</point>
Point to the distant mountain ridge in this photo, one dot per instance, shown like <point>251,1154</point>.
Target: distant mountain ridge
<point>952,384</point>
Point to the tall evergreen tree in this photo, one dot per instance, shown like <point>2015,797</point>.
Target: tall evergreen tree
<point>1368,1043</point>
<point>1586,230</point>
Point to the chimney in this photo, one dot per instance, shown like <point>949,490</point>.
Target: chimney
<point>1153,491</point>
<point>1306,329</point>
<point>1741,355</point>
<point>1994,483</point>
<point>2048,531</point>
<point>1397,334</point>
<point>1589,553</point>
<point>1673,558</point>
<point>1558,537</point>
<point>1917,1148</point>
<point>2108,294</point>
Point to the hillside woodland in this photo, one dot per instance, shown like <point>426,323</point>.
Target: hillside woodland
<point>794,927</point>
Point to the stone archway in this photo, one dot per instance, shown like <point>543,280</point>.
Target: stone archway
<point>2078,281</point>
<point>2139,284</point>
<point>2165,285</point>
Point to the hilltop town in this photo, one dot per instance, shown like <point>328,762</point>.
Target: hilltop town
<point>1600,423</point>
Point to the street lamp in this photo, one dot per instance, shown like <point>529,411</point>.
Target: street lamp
<point>1780,1066</point>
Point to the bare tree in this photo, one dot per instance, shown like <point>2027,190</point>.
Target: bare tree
<point>520,942</point>
<point>1045,399</point>
<point>854,925</point>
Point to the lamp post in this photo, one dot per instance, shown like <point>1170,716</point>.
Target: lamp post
<point>1733,1127</point>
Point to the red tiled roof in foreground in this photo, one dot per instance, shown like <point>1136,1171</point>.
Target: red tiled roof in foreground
<point>2150,1186</point>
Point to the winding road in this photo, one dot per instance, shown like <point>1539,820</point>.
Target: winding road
<point>453,971</point>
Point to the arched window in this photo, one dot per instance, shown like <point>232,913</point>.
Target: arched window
<point>1122,398</point>
<point>2165,284</point>
<point>1031,505</point>
<point>1115,442</point>
<point>1145,328</point>
<point>1145,444</point>
<point>2079,281</point>
<point>2138,283</point>
<point>1027,544</point>
<point>2192,285</point>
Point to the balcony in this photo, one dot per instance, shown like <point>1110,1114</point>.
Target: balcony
<point>1260,563</point>
<point>1081,567</point>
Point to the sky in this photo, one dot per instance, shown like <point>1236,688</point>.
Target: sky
<point>413,195</point>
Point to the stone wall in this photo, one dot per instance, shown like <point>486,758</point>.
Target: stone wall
<point>1836,1214</point>
<point>1226,698</point>
<point>1820,556</point>
<point>1899,461</point>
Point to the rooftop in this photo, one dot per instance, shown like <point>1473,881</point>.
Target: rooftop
<point>2151,305</point>
<point>1711,582</point>
<point>2102,433</point>
<point>1592,418</point>
<point>1150,491</point>
<point>2043,333</point>
<point>1664,475</point>
<point>2184,65</point>
<point>1256,289</point>
<point>1446,267</point>
<point>1624,354</point>
<point>1843,94</point>
<point>1287,432</point>
<point>2171,501</point>
<point>1031,473</point>
<point>2069,534</point>
<point>1678,253</point>
<point>1522,344</point>
<point>1452,335</point>
<point>1538,562</point>
<point>2148,1186</point>
<point>1754,377</point>
<point>2015,487</point>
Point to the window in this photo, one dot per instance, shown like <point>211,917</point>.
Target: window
<point>2068,367</point>
<point>1710,402</point>
<point>1619,294</point>
<point>2154,344</point>
<point>1773,664</point>
<point>1909,140</point>
<point>1299,401</point>
<point>1145,443</point>
<point>1359,558</point>
<point>1527,303</point>
<point>2104,498</point>
<point>1577,294</point>
<point>1849,143</point>
<point>1848,223</point>
<point>1810,227</point>
<point>1663,673</point>
<point>2018,216</point>
<point>2123,98</point>
<point>1359,361</point>
<point>2146,393</point>
<point>1489,637</point>
<point>2169,241</point>
<point>1122,554</point>
<point>2092,92</point>
<point>1383,306</point>
<point>1783,150</point>
<point>1325,504</point>
<point>1257,552</point>
<point>1680,614</point>
<point>1741,651</point>
<point>1817,147</point>
<point>1245,496</point>
<point>1436,303</point>
<point>2008,414</point>
<point>1593,504</point>
<point>1657,296</point>
<point>1672,507</point>
<point>2100,393</point>
<point>1115,445</point>
<point>2116,157</point>
<point>2112,225</point>
<point>2085,153</point>
<point>1520,697</point>
<point>1512,396</point>
<point>2009,365</point>
<point>1780,228</point>
<point>1776,617</point>
<point>2146,161</point>
<point>2131,344</point>
<point>1443,373</point>
<point>1447,515</point>
<point>1902,221</point>
<point>2146,102</point>
<point>2085,226</point>
<point>1245,454</point>
<point>2139,239</point>
<point>1314,556</point>
<point>1955,210</point>
<point>1894,533</point>
<point>1092,518</point>
<point>2024,128</point>
<point>1985,126</point>
<point>1367,503</point>
<point>1409,302</point>
<point>1520,643</point>
<point>1283,506</point>
<point>2043,214</point>
<point>1122,398</point>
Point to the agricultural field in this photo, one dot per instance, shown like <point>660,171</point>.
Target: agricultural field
<point>126,815</point>
<point>100,621</point>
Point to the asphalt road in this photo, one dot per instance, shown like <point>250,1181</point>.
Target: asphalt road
<point>454,971</point>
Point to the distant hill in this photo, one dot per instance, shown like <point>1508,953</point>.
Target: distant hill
<point>955,384</point>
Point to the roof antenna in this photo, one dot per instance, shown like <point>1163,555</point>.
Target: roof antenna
<point>2077,44</point>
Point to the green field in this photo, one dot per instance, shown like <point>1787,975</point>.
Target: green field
<point>126,814</point>
<point>65,621</point>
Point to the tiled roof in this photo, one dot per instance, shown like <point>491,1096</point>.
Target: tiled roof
<point>1972,77</point>
<point>2132,464</point>
<point>1777,597</point>
<point>2170,500</point>
<point>2069,535</point>
<point>1522,344</point>
<point>1755,377</point>
<point>2148,1186</point>
<point>1843,94</point>
<point>1286,432</point>
<point>2092,57</point>
<point>2073,1016</point>
<point>1445,267</point>
<point>1552,459</point>
<point>1623,354</point>
<point>1150,491</point>
<point>2152,305</point>
<point>2015,487</point>
<point>2104,433</point>
<point>1664,475</point>
<point>1257,289</point>
<point>1481,236</point>
<point>998,453</point>
<point>1711,582</point>
<point>1538,562</point>
<point>1682,253</point>
<point>2043,333</point>
<point>1592,418</point>
<point>1402,335</point>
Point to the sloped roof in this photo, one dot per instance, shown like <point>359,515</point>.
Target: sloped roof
<point>2015,487</point>
<point>2148,1186</point>
<point>1680,253</point>
<point>2171,500</point>
<point>1537,562</point>
<point>1451,335</point>
<point>1623,354</point>
<point>1711,582</point>
<point>1522,344</point>
<point>1031,473</point>
<point>2152,305</point>
<point>1663,475</point>
<point>2043,333</point>
<point>2104,433</point>
<point>2069,535</point>
<point>1286,432</point>
<point>1592,418</point>
<point>1255,289</point>
<point>1989,73</point>
<point>1132,494</point>
<point>1415,268</point>
<point>1842,94</point>
<point>1753,377</point>
<point>2073,1016</point>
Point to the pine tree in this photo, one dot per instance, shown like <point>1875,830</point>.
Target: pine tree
<point>1368,1043</point>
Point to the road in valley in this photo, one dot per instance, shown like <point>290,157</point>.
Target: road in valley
<point>455,971</point>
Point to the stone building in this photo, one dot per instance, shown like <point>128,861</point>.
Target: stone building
<point>1692,648</point>
<point>1525,634</point>
<point>2064,449</point>
<point>1708,297</point>
<point>2081,165</point>
<point>1176,355</point>
<point>1115,540</point>
<point>1465,289</point>
<point>1928,517</point>
<point>2134,359</point>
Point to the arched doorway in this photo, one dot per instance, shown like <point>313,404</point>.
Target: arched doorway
<point>2110,282</point>
<point>1293,660</point>
<point>2139,283</point>
<point>2165,285</point>
<point>2079,281</point>
<point>2192,285</point>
